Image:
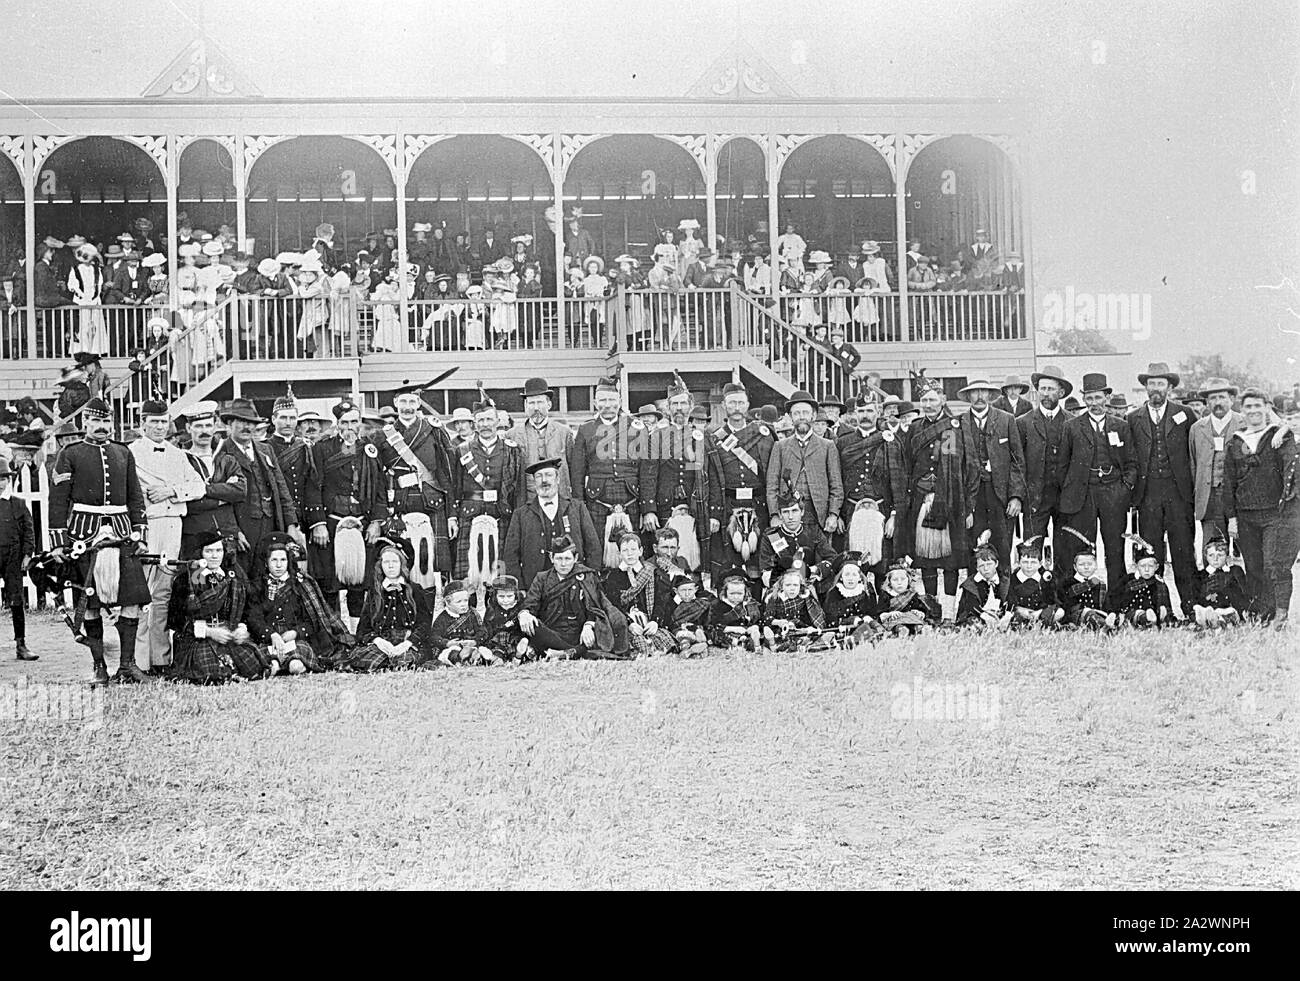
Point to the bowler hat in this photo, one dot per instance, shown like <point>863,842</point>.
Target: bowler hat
<point>536,386</point>
<point>1159,369</point>
<point>241,409</point>
<point>1095,381</point>
<point>1055,374</point>
<point>801,397</point>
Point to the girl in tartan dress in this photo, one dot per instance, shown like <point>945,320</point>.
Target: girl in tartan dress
<point>735,620</point>
<point>287,615</point>
<point>851,601</point>
<point>641,591</point>
<point>395,620</point>
<point>792,606</point>
<point>211,641</point>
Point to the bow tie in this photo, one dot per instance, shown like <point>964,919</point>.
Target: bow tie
<point>393,587</point>
<point>160,449</point>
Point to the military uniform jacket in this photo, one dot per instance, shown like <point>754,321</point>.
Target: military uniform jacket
<point>431,446</point>
<point>859,470</point>
<point>777,549</point>
<point>98,475</point>
<point>609,461</point>
<point>738,467</point>
<point>345,484</point>
<point>295,459</point>
<point>491,481</point>
<point>679,475</point>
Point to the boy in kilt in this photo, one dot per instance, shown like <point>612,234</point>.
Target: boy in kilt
<point>982,598</point>
<point>1084,597</point>
<point>1143,599</point>
<point>1222,594</point>
<point>457,630</point>
<point>502,634</point>
<point>735,618</point>
<point>1032,597</point>
<point>690,615</point>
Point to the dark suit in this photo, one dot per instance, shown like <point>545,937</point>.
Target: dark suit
<point>1001,459</point>
<point>268,504</point>
<point>527,549</point>
<point>1165,498</point>
<point>1044,445</point>
<point>1099,474</point>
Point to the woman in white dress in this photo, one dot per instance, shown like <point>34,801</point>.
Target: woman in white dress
<point>310,287</point>
<point>873,278</point>
<point>689,247</point>
<point>208,343</point>
<point>504,313</point>
<point>388,321</point>
<point>86,284</point>
<point>475,311</point>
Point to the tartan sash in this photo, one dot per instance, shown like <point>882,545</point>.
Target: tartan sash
<point>398,442</point>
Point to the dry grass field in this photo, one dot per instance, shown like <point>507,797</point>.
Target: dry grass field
<point>1154,761</point>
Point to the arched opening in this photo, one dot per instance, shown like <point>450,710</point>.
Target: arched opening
<point>297,184</point>
<point>964,210</point>
<point>634,191</point>
<point>13,244</point>
<point>838,192</point>
<point>741,193</point>
<point>97,187</point>
<point>206,190</point>
<point>474,184</point>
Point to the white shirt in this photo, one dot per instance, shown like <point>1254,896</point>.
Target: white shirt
<point>1156,414</point>
<point>549,508</point>
<point>1252,439</point>
<point>1219,425</point>
<point>1050,413</point>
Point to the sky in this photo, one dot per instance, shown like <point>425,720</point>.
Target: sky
<point>1164,161</point>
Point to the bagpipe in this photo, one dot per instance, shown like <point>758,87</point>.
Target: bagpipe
<point>52,573</point>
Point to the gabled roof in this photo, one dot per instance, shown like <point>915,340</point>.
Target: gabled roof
<point>740,73</point>
<point>201,70</point>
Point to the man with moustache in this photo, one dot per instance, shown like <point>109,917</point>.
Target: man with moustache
<point>424,478</point>
<point>292,452</point>
<point>1163,493</point>
<point>860,470</point>
<point>993,442</point>
<point>678,476</point>
<point>738,452</point>
<point>267,505</point>
<point>169,483</point>
<point>607,464</point>
<point>549,514</point>
<point>542,438</point>
<point>934,525</point>
<point>1208,446</point>
<point>97,517</point>
<point>491,487</point>
<point>346,487</point>
<point>1100,470</point>
<point>806,467</point>
<point>223,479</point>
<point>1042,433</point>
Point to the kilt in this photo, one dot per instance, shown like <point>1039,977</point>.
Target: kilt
<point>436,509</point>
<point>471,510</point>
<point>368,657</point>
<point>132,588</point>
<point>659,643</point>
<point>207,661</point>
<point>302,652</point>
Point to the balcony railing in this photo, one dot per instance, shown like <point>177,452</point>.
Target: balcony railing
<point>109,330</point>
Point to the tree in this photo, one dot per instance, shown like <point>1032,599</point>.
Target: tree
<point>1080,342</point>
<point>1196,370</point>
